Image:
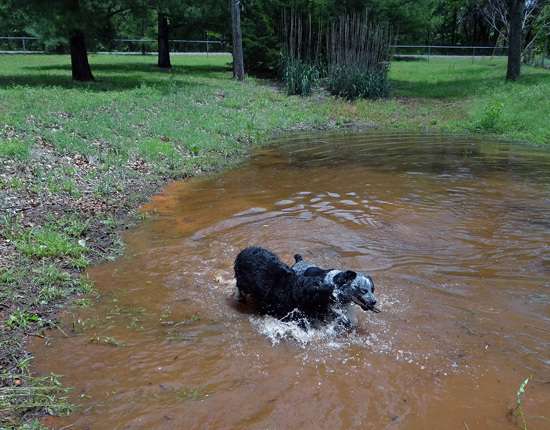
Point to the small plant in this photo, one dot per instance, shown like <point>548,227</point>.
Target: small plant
<point>51,293</point>
<point>82,303</point>
<point>195,394</point>
<point>22,320</point>
<point>489,122</point>
<point>84,285</point>
<point>43,394</point>
<point>46,242</point>
<point>518,407</point>
<point>80,262</point>
<point>15,149</point>
<point>518,410</point>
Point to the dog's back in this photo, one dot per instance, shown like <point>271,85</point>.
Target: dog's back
<point>305,268</point>
<point>252,266</point>
<point>275,288</point>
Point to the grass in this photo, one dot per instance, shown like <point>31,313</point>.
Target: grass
<point>77,158</point>
<point>456,95</point>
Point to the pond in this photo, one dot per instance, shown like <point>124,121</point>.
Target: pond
<point>454,231</point>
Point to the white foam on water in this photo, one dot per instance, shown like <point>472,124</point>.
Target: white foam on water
<point>297,332</point>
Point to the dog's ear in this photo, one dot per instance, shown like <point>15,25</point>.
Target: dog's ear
<point>343,278</point>
<point>298,258</point>
<point>350,275</point>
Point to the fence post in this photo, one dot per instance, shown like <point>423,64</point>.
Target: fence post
<point>473,54</point>
<point>24,49</point>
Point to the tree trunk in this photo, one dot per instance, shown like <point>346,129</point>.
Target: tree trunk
<point>79,56</point>
<point>238,61</point>
<point>164,49</point>
<point>515,39</point>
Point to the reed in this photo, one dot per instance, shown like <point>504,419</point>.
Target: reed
<point>351,53</point>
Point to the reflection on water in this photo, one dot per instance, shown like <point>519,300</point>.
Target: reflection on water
<point>454,231</point>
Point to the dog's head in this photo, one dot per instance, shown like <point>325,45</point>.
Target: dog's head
<point>355,287</point>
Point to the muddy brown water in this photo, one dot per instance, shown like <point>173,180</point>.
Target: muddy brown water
<point>454,230</point>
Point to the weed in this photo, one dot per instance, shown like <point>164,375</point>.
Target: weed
<point>14,149</point>
<point>106,340</point>
<point>193,394</point>
<point>43,394</point>
<point>21,320</point>
<point>489,122</point>
<point>8,275</point>
<point>79,325</point>
<point>45,242</point>
<point>165,313</point>
<point>71,188</point>
<point>142,216</point>
<point>518,410</point>
<point>82,303</point>
<point>50,274</point>
<point>50,293</point>
<point>24,364</point>
<point>84,285</point>
<point>109,221</point>
<point>80,262</point>
<point>190,318</point>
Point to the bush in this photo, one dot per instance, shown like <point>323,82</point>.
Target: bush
<point>357,83</point>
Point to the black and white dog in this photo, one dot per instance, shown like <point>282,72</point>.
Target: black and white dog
<point>311,298</point>
<point>348,287</point>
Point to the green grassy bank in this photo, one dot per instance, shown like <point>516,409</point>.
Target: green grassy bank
<point>77,159</point>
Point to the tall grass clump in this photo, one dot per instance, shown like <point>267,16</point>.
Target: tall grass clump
<point>356,83</point>
<point>351,52</point>
<point>298,76</point>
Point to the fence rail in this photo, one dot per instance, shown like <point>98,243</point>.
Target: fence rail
<point>431,51</point>
<point>33,45</point>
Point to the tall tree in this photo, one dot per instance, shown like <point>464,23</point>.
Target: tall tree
<point>513,69</point>
<point>238,61</point>
<point>191,17</point>
<point>163,45</point>
<point>80,66</point>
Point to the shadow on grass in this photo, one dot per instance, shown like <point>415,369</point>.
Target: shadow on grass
<point>114,76</point>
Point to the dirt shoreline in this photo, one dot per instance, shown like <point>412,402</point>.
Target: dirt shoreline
<point>27,205</point>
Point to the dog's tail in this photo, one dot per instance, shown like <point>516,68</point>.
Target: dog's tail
<point>298,258</point>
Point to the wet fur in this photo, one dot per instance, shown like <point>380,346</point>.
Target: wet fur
<point>348,286</point>
<point>279,291</point>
